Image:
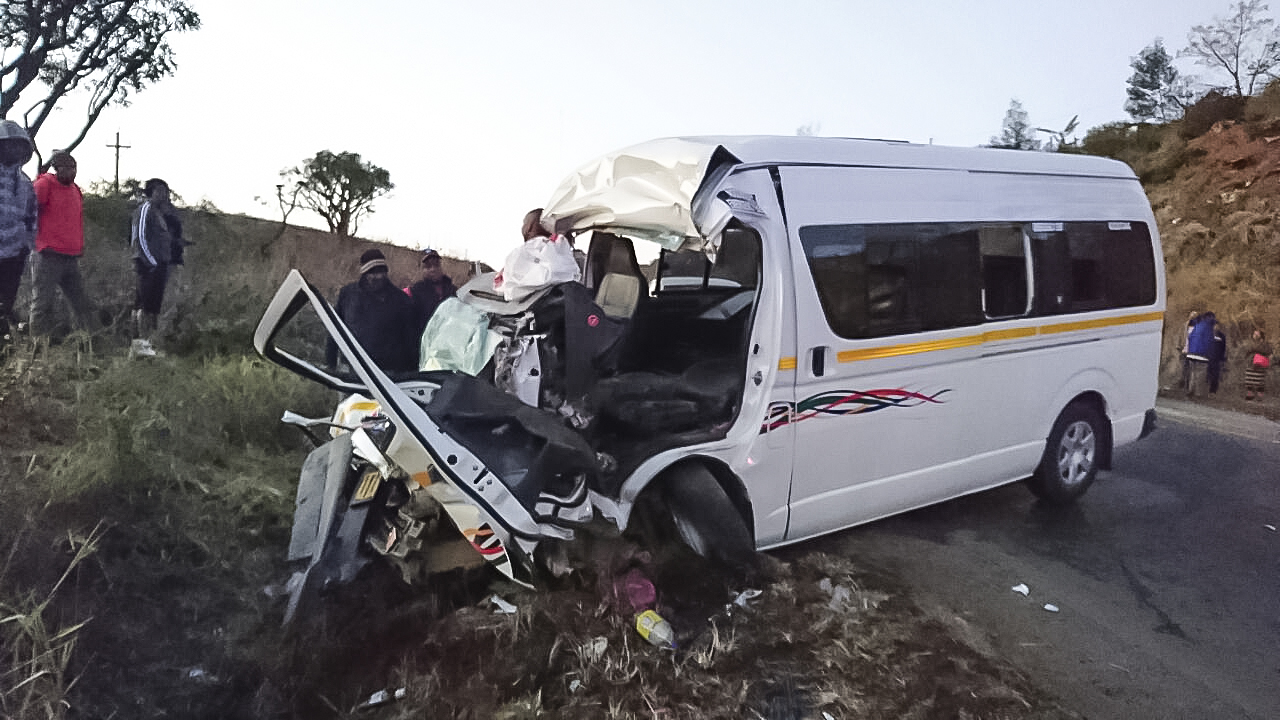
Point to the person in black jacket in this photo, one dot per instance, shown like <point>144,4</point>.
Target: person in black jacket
<point>434,288</point>
<point>380,315</point>
<point>152,242</point>
<point>1218,358</point>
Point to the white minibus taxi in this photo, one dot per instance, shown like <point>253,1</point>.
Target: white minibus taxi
<point>832,331</point>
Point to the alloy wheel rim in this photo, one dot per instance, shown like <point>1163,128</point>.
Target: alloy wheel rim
<point>1076,453</point>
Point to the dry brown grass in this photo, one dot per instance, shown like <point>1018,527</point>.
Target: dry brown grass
<point>36,674</point>
<point>822,636</point>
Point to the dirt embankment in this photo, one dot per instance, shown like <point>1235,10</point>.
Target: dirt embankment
<point>1217,221</point>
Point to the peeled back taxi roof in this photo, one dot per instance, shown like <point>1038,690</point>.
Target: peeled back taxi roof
<point>648,191</point>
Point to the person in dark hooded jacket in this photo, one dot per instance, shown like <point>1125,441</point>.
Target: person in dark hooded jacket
<point>380,315</point>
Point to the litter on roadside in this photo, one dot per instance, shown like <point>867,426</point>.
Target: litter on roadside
<point>201,676</point>
<point>594,650</point>
<point>1051,607</point>
<point>1272,528</point>
<point>382,697</point>
<point>1021,589</point>
<point>502,607</point>
<point>654,628</point>
<point>841,596</point>
<point>634,592</point>
<point>746,596</point>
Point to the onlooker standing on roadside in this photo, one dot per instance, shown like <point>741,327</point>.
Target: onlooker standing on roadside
<point>434,288</point>
<point>1257,356</point>
<point>379,315</point>
<point>59,245</point>
<point>152,243</point>
<point>1217,358</point>
<point>1185,382</point>
<point>17,217</point>
<point>1199,350</point>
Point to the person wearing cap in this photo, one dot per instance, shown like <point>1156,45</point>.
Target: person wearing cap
<point>380,316</point>
<point>17,217</point>
<point>59,244</point>
<point>152,242</point>
<point>434,288</point>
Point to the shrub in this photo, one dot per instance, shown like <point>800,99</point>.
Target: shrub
<point>1122,141</point>
<point>1265,105</point>
<point>1214,107</point>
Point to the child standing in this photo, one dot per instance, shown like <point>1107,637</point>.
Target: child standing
<point>1257,355</point>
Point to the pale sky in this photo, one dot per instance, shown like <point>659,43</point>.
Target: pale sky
<point>478,110</point>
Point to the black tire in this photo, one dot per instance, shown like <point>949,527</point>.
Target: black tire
<point>705,519</point>
<point>1071,455</point>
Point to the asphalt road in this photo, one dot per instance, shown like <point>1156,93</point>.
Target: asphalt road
<point>1166,574</point>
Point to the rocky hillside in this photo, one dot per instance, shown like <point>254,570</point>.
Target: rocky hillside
<point>1215,194</point>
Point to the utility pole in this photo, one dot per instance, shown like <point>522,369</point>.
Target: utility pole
<point>118,147</point>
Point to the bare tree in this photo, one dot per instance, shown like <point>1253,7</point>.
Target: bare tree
<point>338,187</point>
<point>1058,141</point>
<point>1245,45</point>
<point>109,49</point>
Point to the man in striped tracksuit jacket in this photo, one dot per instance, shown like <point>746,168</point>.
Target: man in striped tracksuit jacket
<point>152,242</point>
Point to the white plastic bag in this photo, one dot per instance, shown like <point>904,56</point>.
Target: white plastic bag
<point>538,263</point>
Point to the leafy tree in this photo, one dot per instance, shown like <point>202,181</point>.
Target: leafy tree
<point>1016,133</point>
<point>1245,45</point>
<point>1156,90</point>
<point>128,189</point>
<point>108,49</point>
<point>338,187</point>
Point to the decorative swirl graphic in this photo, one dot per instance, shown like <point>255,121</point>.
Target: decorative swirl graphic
<point>846,402</point>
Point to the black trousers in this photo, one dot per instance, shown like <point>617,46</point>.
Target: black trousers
<point>10,278</point>
<point>151,282</point>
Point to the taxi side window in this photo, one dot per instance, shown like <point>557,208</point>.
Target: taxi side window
<point>876,280</point>
<point>1084,266</point>
<point>888,279</point>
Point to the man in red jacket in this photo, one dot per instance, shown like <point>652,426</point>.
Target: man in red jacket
<point>59,245</point>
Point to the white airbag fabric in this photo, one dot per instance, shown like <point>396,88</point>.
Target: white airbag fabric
<point>457,338</point>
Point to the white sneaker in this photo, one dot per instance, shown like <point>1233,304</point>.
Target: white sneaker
<point>142,348</point>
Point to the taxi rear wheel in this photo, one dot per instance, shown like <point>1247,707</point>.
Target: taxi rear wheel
<point>1071,455</point>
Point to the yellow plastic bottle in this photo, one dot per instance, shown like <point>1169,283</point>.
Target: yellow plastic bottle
<point>654,628</point>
